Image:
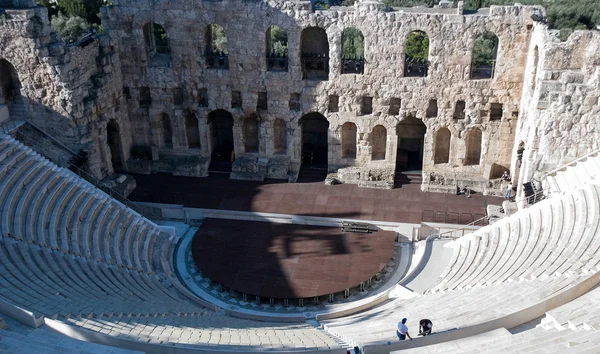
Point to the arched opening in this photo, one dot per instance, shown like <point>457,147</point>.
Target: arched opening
<point>483,59</point>
<point>314,49</point>
<point>349,140</point>
<point>411,136</point>
<point>442,146</point>
<point>353,49</point>
<point>156,40</point>
<point>192,131</point>
<point>10,91</point>
<point>279,137</point>
<point>220,124</point>
<point>217,55</point>
<point>277,49</point>
<point>473,147</point>
<point>378,142</point>
<point>315,128</point>
<point>166,131</point>
<point>113,139</point>
<point>251,134</point>
<point>536,59</point>
<point>416,54</point>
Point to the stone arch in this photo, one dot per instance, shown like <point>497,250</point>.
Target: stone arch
<point>155,39</point>
<point>113,140</point>
<point>442,146</point>
<point>250,128</point>
<point>277,48</point>
<point>220,124</point>
<point>166,131</point>
<point>483,56</point>
<point>349,133</point>
<point>192,131</point>
<point>279,136</point>
<point>353,51</point>
<point>314,49</point>
<point>416,54</point>
<point>410,148</point>
<point>217,54</point>
<point>536,59</point>
<point>315,140</point>
<point>378,143</point>
<point>473,147</point>
<point>10,89</point>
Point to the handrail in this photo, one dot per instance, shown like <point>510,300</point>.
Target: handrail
<point>572,162</point>
<point>129,204</point>
<point>484,221</point>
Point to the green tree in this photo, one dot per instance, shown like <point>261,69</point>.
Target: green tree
<point>278,40</point>
<point>70,28</point>
<point>485,49</point>
<point>353,43</point>
<point>218,39</point>
<point>417,47</point>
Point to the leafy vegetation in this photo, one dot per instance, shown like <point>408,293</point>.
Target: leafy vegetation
<point>484,49</point>
<point>278,41</point>
<point>417,47</point>
<point>70,28</point>
<point>353,43</point>
<point>218,39</point>
<point>161,42</point>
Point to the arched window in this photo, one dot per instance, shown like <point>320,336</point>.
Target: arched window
<point>473,147</point>
<point>217,55</point>
<point>277,49</point>
<point>416,54</point>
<point>166,131</point>
<point>157,42</point>
<point>279,136</point>
<point>442,146</point>
<point>353,49</point>
<point>251,134</point>
<point>10,87</point>
<point>378,142</point>
<point>192,131</point>
<point>349,140</point>
<point>536,59</point>
<point>483,59</point>
<point>314,49</point>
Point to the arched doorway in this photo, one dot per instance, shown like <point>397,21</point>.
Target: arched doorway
<point>113,139</point>
<point>192,131</point>
<point>315,148</point>
<point>10,88</point>
<point>411,136</point>
<point>220,124</point>
<point>251,140</point>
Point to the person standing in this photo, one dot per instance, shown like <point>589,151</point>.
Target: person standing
<point>402,330</point>
<point>508,192</point>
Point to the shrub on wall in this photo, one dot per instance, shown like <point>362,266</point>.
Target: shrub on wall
<point>70,28</point>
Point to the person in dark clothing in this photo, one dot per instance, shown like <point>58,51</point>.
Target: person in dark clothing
<point>425,327</point>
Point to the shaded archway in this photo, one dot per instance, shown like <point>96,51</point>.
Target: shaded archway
<point>411,137</point>
<point>166,133</point>
<point>192,131</point>
<point>277,48</point>
<point>378,142</point>
<point>10,88</point>
<point>251,142</point>
<point>220,124</point>
<point>113,140</point>
<point>483,57</point>
<point>353,49</point>
<point>314,50</point>
<point>315,147</point>
<point>279,137</point>
<point>442,146</point>
<point>416,54</point>
<point>156,40</point>
<point>473,147</point>
<point>349,131</point>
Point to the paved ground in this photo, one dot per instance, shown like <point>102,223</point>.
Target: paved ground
<point>405,204</point>
<point>288,261</point>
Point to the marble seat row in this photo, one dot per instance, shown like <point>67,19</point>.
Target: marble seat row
<point>584,171</point>
<point>51,207</point>
<point>556,236</point>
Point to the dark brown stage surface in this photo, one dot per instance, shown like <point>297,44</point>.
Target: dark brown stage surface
<point>286,260</point>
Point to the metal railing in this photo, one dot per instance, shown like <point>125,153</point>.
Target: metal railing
<point>416,68</point>
<point>483,71</point>
<point>454,234</point>
<point>353,65</point>
<point>19,135</point>
<point>217,60</point>
<point>277,62</point>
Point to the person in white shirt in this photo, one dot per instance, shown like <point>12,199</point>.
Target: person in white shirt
<point>402,330</point>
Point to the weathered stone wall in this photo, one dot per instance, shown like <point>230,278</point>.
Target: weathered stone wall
<point>560,108</point>
<point>451,39</point>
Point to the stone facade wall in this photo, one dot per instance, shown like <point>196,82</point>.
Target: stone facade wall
<point>451,39</point>
<point>561,110</point>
